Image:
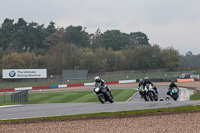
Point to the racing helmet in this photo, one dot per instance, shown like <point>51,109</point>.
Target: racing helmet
<point>97,78</point>
<point>172,82</point>
<point>146,79</point>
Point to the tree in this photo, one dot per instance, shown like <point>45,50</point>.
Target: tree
<point>143,57</point>
<point>190,60</point>
<point>76,35</point>
<point>1,56</point>
<point>28,36</point>
<point>41,61</point>
<point>54,38</point>
<point>120,60</point>
<point>62,56</point>
<point>87,61</point>
<point>30,60</point>
<point>140,37</point>
<point>170,58</point>
<point>112,63</point>
<point>12,61</point>
<point>50,29</point>
<point>6,32</point>
<point>115,39</point>
<point>96,39</point>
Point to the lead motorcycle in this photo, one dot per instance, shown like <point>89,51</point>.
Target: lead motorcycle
<point>150,92</point>
<point>103,93</point>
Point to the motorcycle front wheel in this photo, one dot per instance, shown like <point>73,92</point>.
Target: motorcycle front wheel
<point>155,97</point>
<point>150,96</point>
<point>145,97</point>
<point>101,98</point>
<point>175,96</point>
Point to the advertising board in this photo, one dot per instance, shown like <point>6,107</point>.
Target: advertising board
<point>24,73</point>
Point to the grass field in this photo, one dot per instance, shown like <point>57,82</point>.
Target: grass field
<point>71,96</point>
<point>196,95</point>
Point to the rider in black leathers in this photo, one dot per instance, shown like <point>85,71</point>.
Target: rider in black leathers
<point>103,84</point>
<point>146,80</point>
<point>171,86</point>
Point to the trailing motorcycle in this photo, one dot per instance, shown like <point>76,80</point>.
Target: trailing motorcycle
<point>141,91</point>
<point>103,94</point>
<point>150,92</point>
<point>174,93</point>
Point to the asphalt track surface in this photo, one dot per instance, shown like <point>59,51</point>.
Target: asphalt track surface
<point>60,109</point>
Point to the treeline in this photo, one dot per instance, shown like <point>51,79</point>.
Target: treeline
<point>190,60</point>
<point>30,45</point>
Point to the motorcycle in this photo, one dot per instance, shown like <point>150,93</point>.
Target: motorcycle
<point>145,93</point>
<point>141,91</point>
<point>174,93</point>
<point>103,93</point>
<point>151,93</point>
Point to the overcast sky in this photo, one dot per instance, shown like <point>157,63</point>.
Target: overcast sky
<point>166,22</point>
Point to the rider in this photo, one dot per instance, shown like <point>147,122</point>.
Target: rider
<point>139,89</point>
<point>103,84</point>
<point>171,86</point>
<point>146,80</point>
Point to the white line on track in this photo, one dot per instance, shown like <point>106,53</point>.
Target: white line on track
<point>7,106</point>
<point>132,97</point>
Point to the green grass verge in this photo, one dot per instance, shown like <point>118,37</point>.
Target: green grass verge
<point>121,113</point>
<point>120,95</point>
<point>196,95</point>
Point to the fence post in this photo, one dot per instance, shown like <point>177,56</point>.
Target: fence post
<point>12,97</point>
<point>5,97</point>
<point>21,96</point>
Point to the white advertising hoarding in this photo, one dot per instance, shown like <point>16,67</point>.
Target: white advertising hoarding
<point>24,73</point>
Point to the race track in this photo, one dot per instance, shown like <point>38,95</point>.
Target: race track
<point>59,109</point>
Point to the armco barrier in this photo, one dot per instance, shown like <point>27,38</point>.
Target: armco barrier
<point>41,87</point>
<point>74,85</point>
<point>112,82</point>
<point>10,89</point>
<point>53,86</point>
<point>65,86</point>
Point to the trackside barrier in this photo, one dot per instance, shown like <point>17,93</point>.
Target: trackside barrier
<point>65,85</point>
<point>53,86</point>
<point>19,97</point>
<point>185,80</point>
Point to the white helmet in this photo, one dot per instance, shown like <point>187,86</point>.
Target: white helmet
<point>97,78</point>
<point>146,79</point>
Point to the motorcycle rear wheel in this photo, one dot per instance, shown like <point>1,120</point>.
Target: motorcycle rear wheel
<point>112,98</point>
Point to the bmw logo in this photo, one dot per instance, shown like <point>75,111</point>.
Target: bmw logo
<point>12,74</point>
